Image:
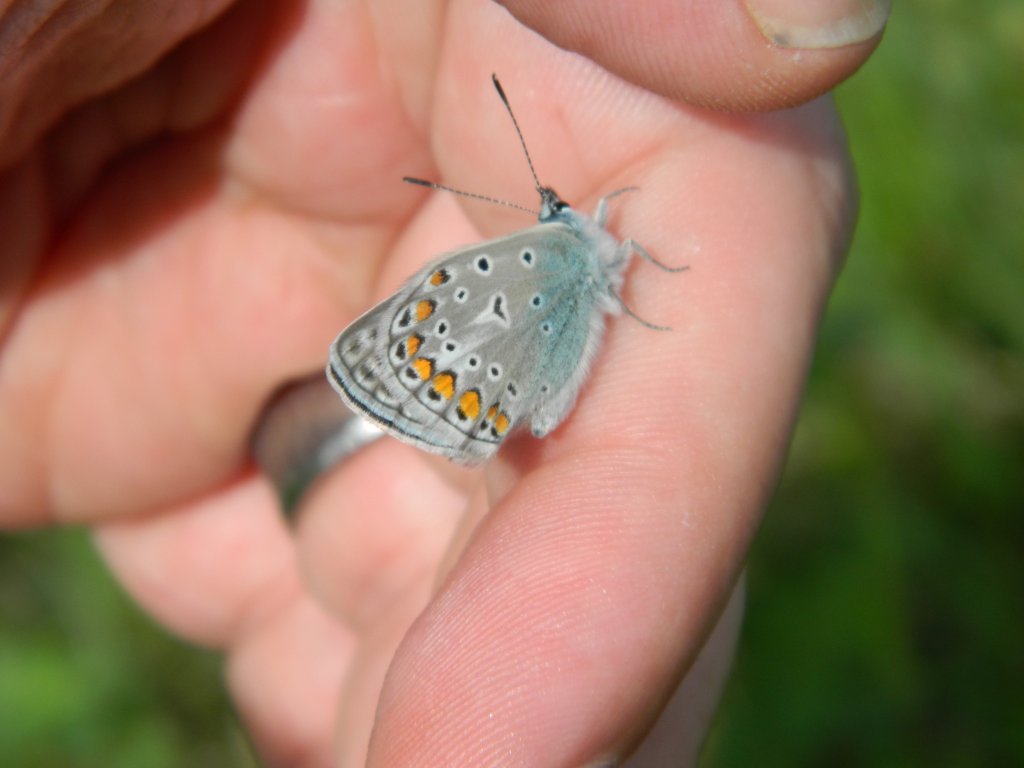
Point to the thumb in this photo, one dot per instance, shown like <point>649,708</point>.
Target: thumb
<point>734,55</point>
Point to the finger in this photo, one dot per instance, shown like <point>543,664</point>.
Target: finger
<point>222,572</point>
<point>679,733</point>
<point>173,563</point>
<point>371,537</point>
<point>598,574</point>
<point>735,55</point>
<point>132,375</point>
<point>59,55</point>
<point>286,680</point>
<point>165,315</point>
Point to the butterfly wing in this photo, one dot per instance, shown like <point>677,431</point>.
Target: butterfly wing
<point>482,341</point>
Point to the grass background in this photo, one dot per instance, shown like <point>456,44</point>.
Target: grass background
<point>885,623</point>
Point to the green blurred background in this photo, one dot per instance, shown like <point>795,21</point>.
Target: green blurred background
<point>885,622</point>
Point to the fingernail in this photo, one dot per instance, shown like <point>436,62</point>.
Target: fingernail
<point>819,23</point>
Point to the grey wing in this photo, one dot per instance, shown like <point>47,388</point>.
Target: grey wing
<point>478,343</point>
<point>380,369</point>
<point>559,321</point>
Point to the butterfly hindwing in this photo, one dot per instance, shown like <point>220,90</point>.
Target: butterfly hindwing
<point>480,342</point>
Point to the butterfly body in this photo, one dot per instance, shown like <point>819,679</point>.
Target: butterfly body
<point>487,339</point>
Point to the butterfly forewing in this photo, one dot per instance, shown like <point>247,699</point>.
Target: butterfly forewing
<point>477,344</point>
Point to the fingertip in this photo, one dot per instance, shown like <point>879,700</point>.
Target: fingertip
<point>745,55</point>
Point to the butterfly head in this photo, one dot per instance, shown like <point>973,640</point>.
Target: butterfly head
<point>551,205</point>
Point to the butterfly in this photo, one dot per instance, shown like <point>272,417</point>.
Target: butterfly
<point>489,338</point>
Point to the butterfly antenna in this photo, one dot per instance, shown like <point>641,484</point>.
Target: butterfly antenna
<point>487,198</point>
<point>463,193</point>
<point>522,141</point>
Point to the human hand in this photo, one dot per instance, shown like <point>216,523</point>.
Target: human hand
<point>539,611</point>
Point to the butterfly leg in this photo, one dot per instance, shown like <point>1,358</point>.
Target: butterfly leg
<point>601,214</point>
<point>632,246</point>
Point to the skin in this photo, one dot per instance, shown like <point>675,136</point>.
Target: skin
<point>188,224</point>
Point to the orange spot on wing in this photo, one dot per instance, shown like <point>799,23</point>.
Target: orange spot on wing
<point>444,385</point>
<point>423,367</point>
<point>424,309</point>
<point>469,403</point>
<point>501,423</point>
<point>412,344</point>
<point>491,412</point>
<point>439,278</point>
